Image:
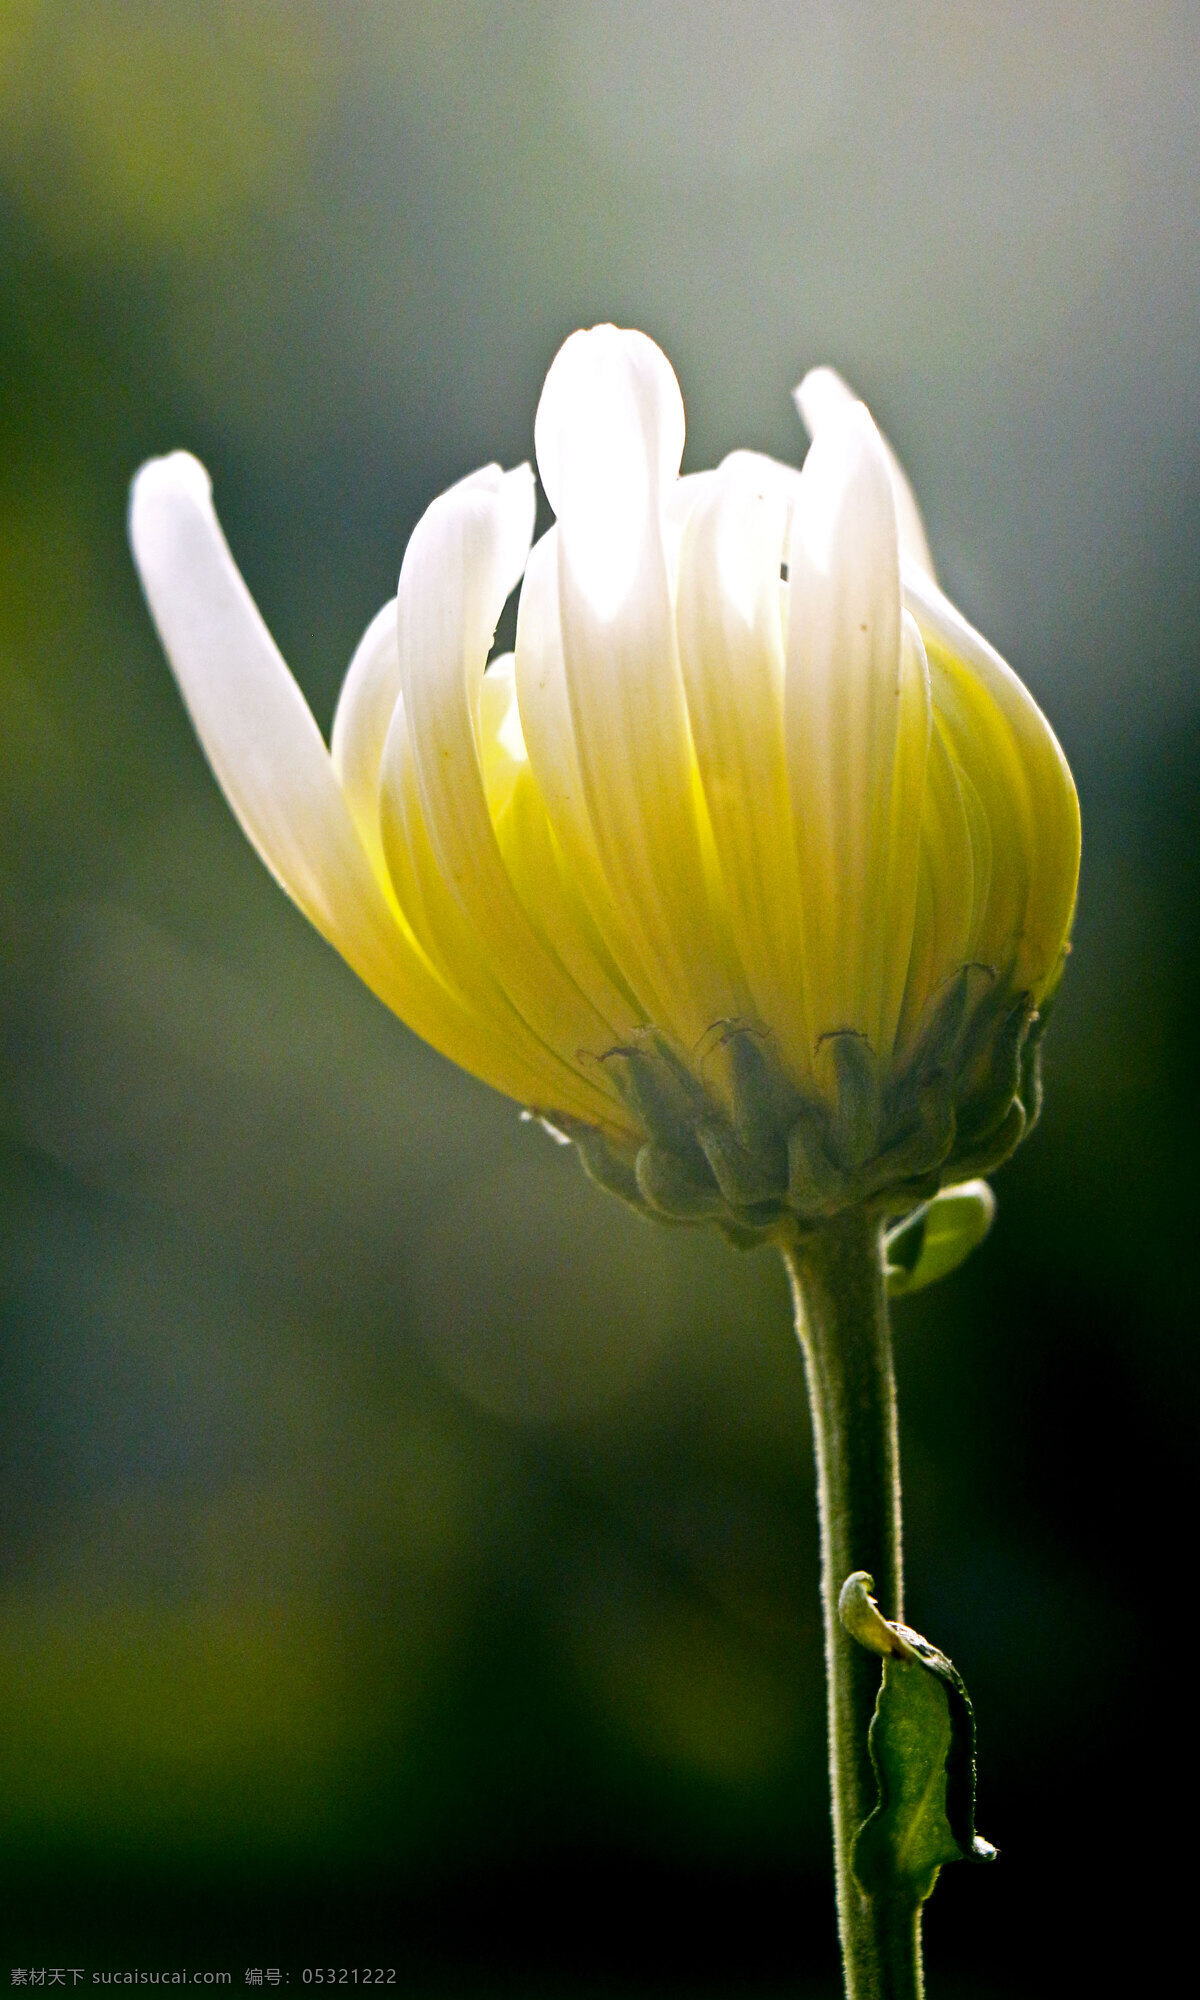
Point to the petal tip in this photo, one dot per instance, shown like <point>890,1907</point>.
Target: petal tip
<point>177,473</point>
<point>820,395</point>
<point>158,489</point>
<point>604,381</point>
<point>846,486</point>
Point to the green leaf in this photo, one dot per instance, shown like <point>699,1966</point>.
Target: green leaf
<point>933,1241</point>
<point>922,1743</point>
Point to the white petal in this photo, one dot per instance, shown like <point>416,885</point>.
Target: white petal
<point>549,734</point>
<point>680,496</point>
<point>256,728</point>
<point>857,718</point>
<point>369,694</point>
<point>823,397</point>
<point>678,499</point>
<point>609,394</point>
<point>609,435</point>
<point>458,570</point>
<point>269,758</point>
<point>731,650</point>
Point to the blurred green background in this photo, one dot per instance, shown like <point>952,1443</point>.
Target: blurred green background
<point>405,1554</point>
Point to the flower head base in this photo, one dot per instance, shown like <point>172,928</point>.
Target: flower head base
<point>751,870</point>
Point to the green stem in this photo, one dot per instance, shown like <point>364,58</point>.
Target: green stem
<point>842,1321</point>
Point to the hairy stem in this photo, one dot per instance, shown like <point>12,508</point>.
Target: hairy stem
<point>842,1321</point>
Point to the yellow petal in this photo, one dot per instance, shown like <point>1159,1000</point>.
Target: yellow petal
<point>1014,761</point>
<point>361,720</point>
<point>534,861</point>
<point>893,938</point>
<point>498,1043</point>
<point>982,848</point>
<point>542,880</point>
<point>946,889</point>
<point>458,569</point>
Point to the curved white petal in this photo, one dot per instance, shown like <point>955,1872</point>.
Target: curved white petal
<point>728,615</point>
<point>823,397</point>
<point>610,416</point>
<point>678,499</point>
<point>680,496</point>
<point>259,735</point>
<point>609,435</point>
<point>458,569</point>
<point>549,734</point>
<point>361,720</point>
<point>857,720</point>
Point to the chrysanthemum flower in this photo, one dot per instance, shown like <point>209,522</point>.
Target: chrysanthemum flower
<point>751,870</point>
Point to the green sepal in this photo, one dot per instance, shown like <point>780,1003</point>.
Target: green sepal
<point>946,1018</point>
<point>934,1241</point>
<point>722,1133</point>
<point>1031,1079</point>
<point>1031,1063</point>
<point>666,1182</point>
<point>816,1185</point>
<point>740,1236</point>
<point>743,1175</point>
<point>764,1102</point>
<point>991,1152</point>
<point>603,1164</point>
<point>848,1073</point>
<point>661,1095</point>
<point>922,1745</point>
<point>993,1079</point>
<point>920,1138</point>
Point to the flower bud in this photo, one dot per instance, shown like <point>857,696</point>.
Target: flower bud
<point>751,871</point>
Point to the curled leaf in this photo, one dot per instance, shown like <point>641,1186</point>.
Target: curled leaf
<point>935,1239</point>
<point>922,1744</point>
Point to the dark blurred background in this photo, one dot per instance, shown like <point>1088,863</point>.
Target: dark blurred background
<point>406,1555</point>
